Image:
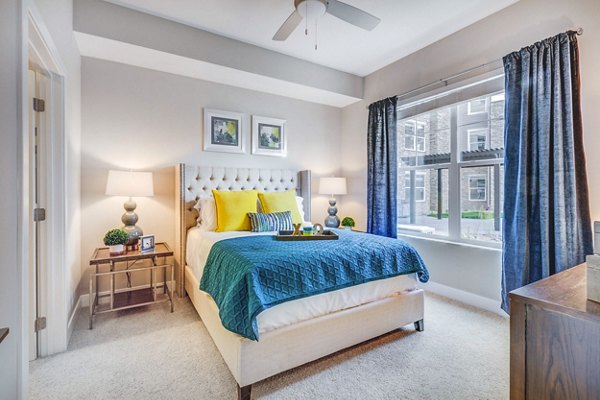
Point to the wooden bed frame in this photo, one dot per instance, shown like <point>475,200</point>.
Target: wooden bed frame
<point>291,346</point>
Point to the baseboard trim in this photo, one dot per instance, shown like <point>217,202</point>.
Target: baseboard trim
<point>73,318</point>
<point>471,299</point>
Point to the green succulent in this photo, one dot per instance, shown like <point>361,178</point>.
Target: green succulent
<point>348,221</point>
<point>115,237</point>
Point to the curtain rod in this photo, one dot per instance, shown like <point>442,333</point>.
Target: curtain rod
<point>579,32</point>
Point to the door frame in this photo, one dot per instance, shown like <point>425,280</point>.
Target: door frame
<point>39,48</point>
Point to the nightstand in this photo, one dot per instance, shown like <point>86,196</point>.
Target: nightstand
<point>132,262</point>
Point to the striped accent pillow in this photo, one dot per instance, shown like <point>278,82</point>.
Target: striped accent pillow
<point>266,222</point>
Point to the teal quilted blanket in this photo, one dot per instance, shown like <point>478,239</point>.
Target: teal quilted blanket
<point>247,275</point>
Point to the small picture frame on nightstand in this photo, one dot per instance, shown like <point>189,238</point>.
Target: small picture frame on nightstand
<point>147,243</point>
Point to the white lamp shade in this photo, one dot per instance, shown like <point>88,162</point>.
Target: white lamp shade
<point>332,185</point>
<point>129,184</point>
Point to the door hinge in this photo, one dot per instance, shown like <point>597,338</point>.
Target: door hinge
<point>40,323</point>
<point>39,105</point>
<point>39,214</point>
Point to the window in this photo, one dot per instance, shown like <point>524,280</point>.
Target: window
<point>477,188</point>
<point>477,139</point>
<point>419,186</point>
<point>429,212</point>
<point>420,136</point>
<point>458,175</point>
<point>414,135</point>
<point>477,106</point>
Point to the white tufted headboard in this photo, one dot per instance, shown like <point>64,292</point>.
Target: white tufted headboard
<point>192,182</point>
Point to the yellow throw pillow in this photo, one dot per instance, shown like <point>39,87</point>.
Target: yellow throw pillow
<point>233,209</point>
<point>281,201</point>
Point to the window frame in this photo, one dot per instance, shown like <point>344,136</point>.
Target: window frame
<point>421,174</point>
<point>415,135</point>
<point>473,132</point>
<point>412,122</point>
<point>471,112</point>
<point>490,85</point>
<point>471,188</point>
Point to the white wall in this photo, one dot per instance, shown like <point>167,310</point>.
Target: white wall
<point>519,25</point>
<point>57,16</point>
<point>143,119</point>
<point>10,129</point>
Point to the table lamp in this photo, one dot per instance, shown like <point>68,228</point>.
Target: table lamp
<point>130,184</point>
<point>332,186</point>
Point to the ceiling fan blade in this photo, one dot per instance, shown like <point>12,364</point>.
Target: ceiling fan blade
<point>352,15</point>
<point>288,26</point>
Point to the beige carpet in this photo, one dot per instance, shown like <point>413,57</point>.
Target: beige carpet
<point>149,353</point>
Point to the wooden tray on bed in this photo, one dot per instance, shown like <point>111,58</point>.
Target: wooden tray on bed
<point>287,235</point>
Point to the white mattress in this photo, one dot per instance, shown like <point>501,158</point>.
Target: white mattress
<point>199,243</point>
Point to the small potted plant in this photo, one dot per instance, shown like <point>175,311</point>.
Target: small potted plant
<point>348,223</point>
<point>116,239</point>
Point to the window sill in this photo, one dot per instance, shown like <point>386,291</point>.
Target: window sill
<point>497,247</point>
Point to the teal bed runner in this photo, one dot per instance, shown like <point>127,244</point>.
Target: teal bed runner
<point>248,275</point>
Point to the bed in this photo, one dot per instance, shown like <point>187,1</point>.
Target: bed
<point>294,332</point>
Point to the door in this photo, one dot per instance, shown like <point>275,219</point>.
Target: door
<point>37,88</point>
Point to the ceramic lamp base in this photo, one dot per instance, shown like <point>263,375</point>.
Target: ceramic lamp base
<point>129,219</point>
<point>332,220</point>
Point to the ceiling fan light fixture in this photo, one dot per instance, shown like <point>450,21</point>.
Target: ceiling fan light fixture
<point>311,9</point>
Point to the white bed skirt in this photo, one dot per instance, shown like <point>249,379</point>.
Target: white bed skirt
<point>291,346</point>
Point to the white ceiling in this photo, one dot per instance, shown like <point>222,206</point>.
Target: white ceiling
<point>407,26</point>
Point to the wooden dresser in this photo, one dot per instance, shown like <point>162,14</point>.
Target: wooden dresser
<point>555,339</point>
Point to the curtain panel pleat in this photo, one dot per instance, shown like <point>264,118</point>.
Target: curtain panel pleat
<point>546,226</point>
<point>382,188</point>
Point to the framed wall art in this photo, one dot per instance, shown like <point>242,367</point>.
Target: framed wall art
<point>269,137</point>
<point>223,131</point>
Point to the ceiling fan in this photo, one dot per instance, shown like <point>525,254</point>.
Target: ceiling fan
<point>313,9</point>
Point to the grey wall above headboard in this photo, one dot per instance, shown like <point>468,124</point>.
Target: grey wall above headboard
<point>193,182</point>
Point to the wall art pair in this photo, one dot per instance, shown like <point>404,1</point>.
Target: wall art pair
<point>224,132</point>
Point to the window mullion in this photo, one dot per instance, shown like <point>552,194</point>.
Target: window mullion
<point>413,197</point>
<point>497,226</point>
<point>454,179</point>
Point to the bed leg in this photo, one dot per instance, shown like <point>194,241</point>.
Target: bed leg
<point>420,325</point>
<point>244,392</point>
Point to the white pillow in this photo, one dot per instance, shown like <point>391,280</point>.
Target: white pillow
<point>207,213</point>
<point>300,202</point>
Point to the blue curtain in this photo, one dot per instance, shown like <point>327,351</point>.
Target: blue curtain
<point>547,225</point>
<point>383,168</point>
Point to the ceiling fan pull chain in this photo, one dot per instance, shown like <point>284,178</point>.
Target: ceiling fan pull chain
<point>316,33</point>
<point>306,20</point>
